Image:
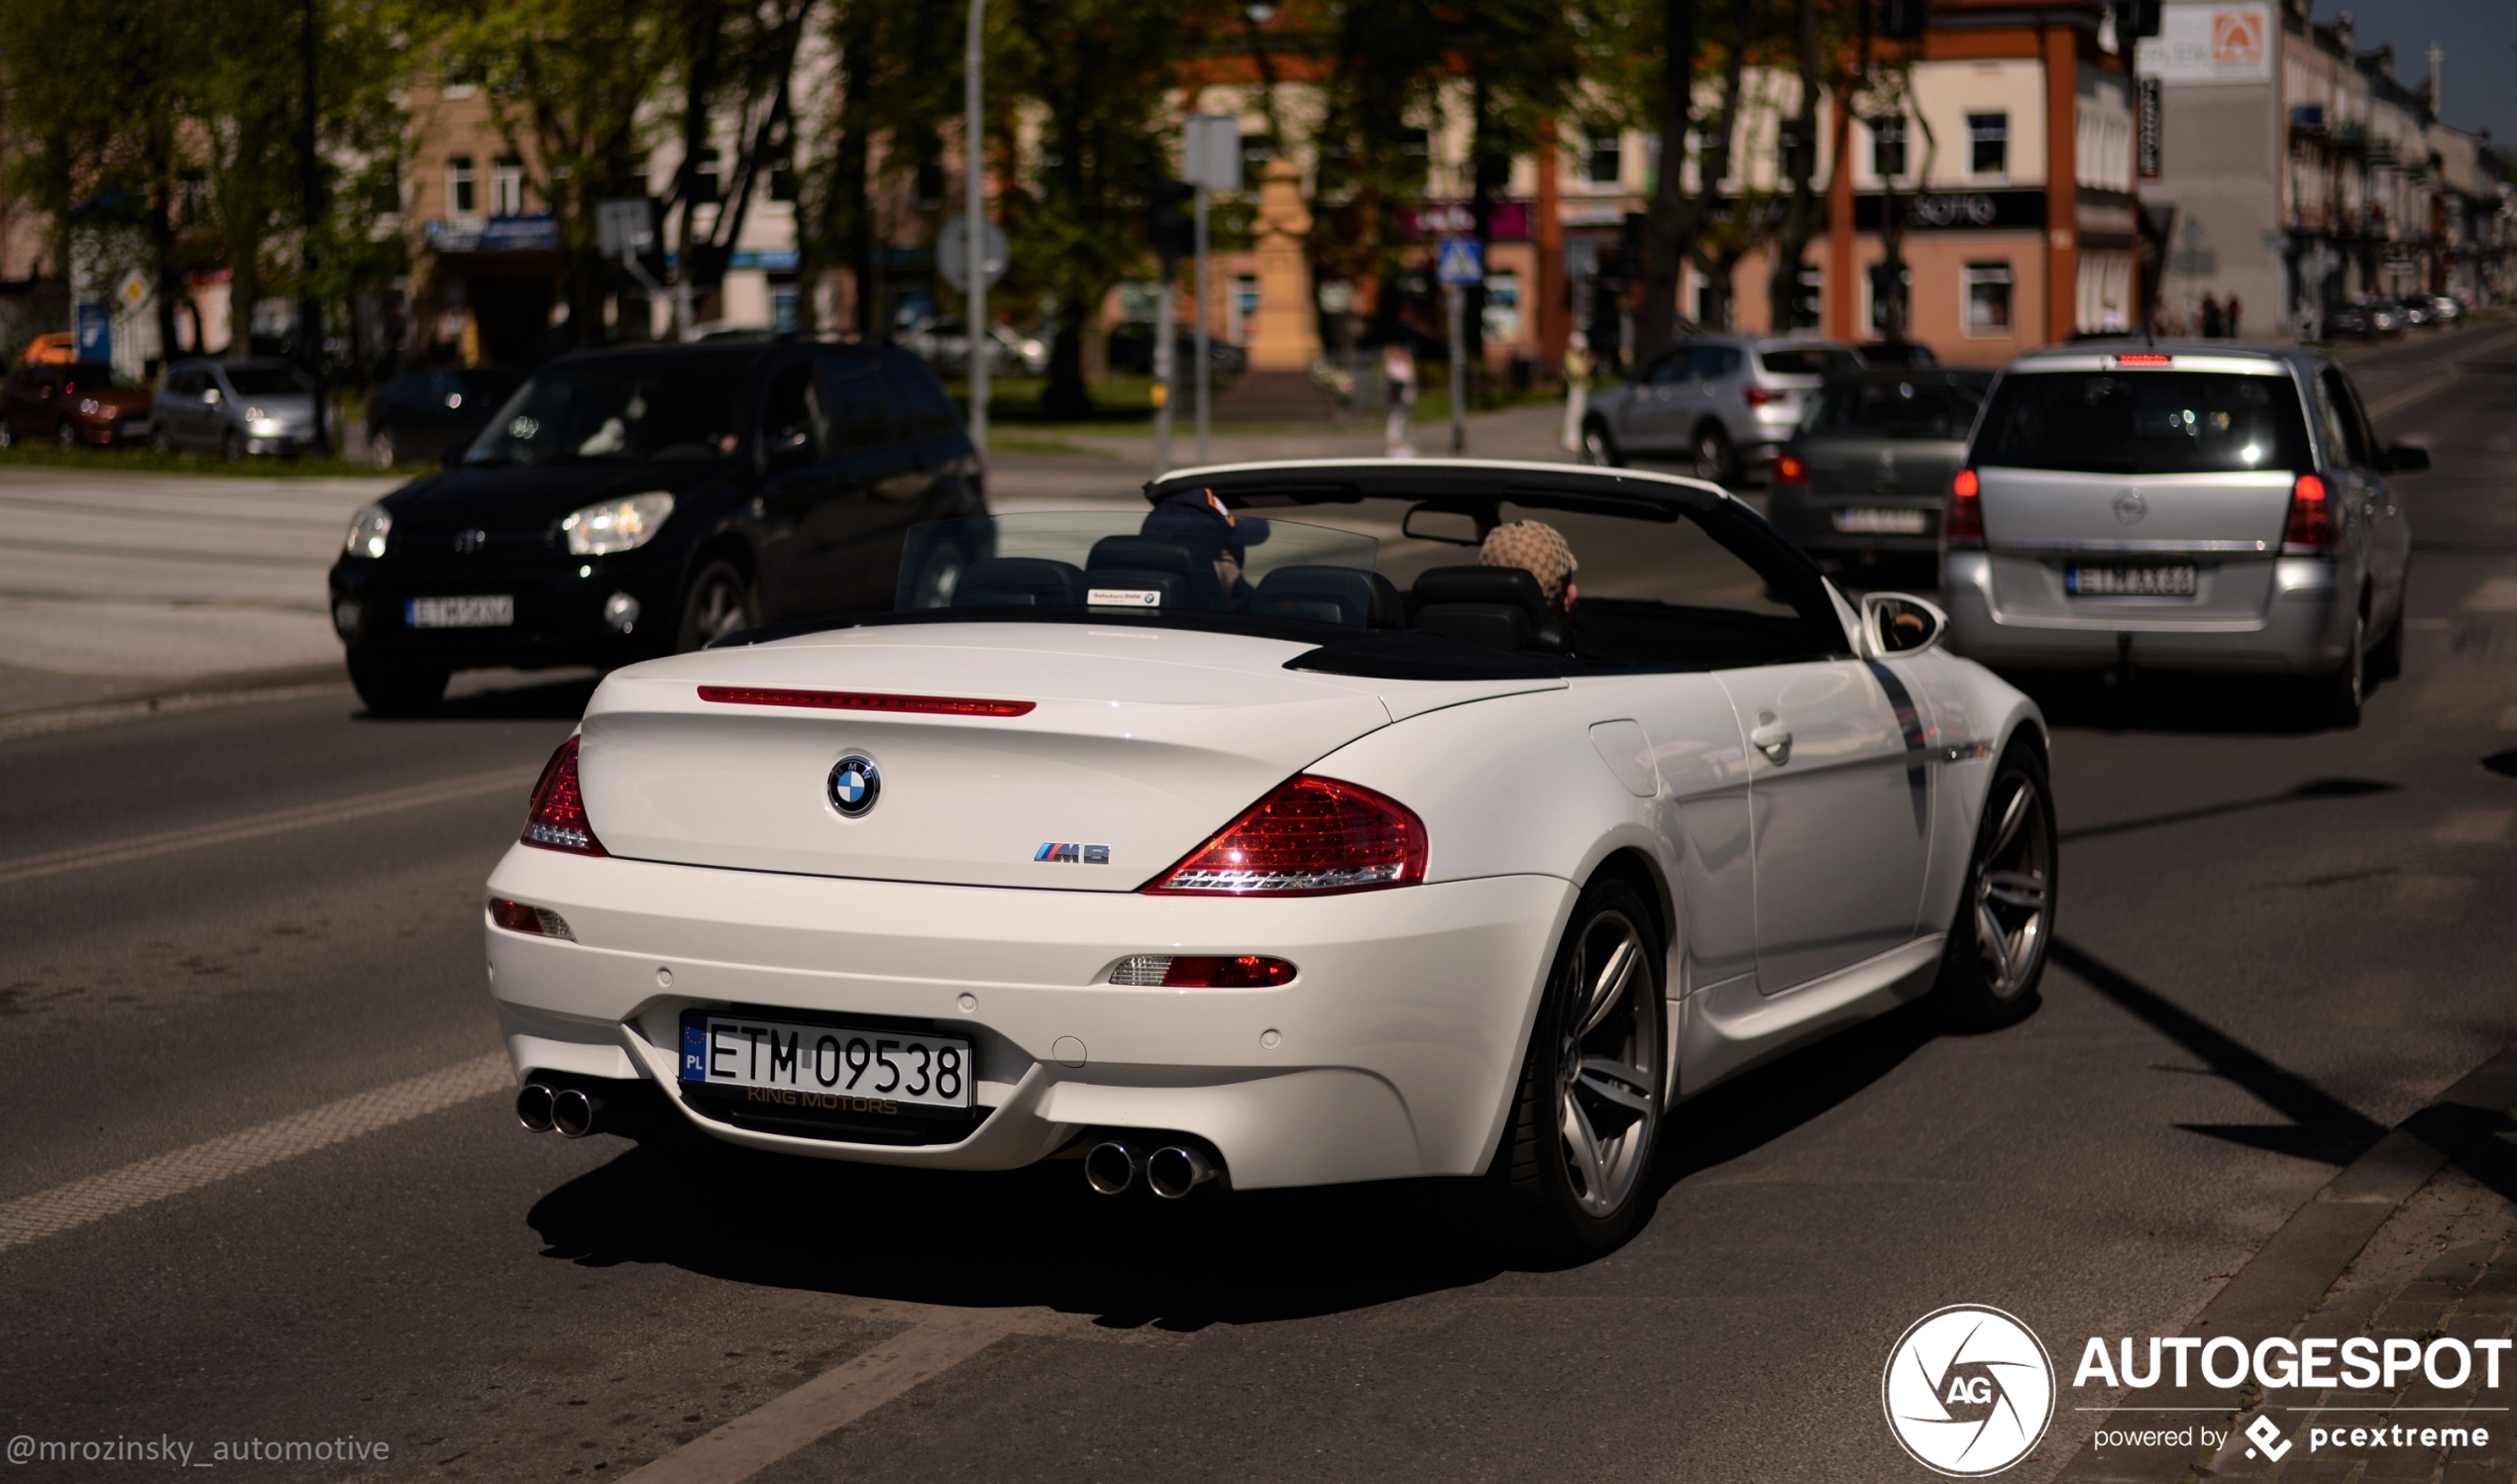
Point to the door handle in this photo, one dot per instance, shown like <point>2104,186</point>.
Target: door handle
<point>1773,738</point>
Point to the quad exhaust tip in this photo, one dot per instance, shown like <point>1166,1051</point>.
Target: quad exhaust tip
<point>1111,1167</point>
<point>573,1112</point>
<point>1177,1169</point>
<point>533,1107</point>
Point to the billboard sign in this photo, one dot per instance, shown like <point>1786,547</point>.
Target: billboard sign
<point>2219,43</point>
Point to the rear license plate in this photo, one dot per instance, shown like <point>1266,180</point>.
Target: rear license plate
<point>2176,581</point>
<point>1873,522</point>
<point>829,1068</point>
<point>475,613</point>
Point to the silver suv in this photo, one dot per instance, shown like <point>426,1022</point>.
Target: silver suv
<point>2193,506</point>
<point>1722,402</point>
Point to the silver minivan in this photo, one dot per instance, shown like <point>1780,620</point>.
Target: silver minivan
<point>2196,506</point>
<point>262,405</point>
<point>1722,402</point>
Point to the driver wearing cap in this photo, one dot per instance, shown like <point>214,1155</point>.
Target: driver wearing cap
<point>1199,521</point>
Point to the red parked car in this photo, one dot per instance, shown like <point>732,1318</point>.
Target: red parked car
<point>85,401</point>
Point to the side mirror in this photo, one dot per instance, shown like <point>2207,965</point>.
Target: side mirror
<point>210,397</point>
<point>2403,459</point>
<point>1895,626</point>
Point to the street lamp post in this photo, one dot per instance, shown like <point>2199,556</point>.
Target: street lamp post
<point>309,302</point>
<point>975,204</point>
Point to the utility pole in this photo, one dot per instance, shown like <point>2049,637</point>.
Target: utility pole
<point>1171,236</point>
<point>1205,367</point>
<point>310,302</point>
<point>975,205</point>
<point>1210,159</point>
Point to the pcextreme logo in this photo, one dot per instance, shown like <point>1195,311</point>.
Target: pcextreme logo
<point>1968,1391</point>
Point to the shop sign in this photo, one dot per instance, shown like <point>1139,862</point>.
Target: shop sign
<point>1957,211</point>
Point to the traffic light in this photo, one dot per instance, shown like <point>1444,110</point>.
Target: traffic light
<point>1168,229</point>
<point>1904,20</point>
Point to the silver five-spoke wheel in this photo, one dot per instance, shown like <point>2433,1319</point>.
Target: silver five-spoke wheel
<point>1606,1108</point>
<point>1997,947</point>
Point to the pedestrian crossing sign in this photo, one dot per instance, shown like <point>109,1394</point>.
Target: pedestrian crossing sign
<point>1461,262</point>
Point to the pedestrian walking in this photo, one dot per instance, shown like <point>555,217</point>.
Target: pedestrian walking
<point>2235,312</point>
<point>1398,372</point>
<point>2213,324</point>
<point>1577,388</point>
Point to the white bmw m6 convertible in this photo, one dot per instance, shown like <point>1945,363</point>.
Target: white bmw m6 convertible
<point>1317,822</point>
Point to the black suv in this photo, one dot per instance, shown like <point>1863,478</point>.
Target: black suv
<point>631,502</point>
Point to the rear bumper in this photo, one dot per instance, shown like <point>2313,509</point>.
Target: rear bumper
<point>559,615</point>
<point>1808,516</point>
<point>2304,628</point>
<point>1396,1047</point>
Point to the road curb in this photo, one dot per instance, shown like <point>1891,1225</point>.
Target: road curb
<point>188,693</point>
<point>2278,1287</point>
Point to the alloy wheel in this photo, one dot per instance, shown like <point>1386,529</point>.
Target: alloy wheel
<point>67,436</point>
<point>720,610</point>
<point>2013,888</point>
<point>1607,1103</point>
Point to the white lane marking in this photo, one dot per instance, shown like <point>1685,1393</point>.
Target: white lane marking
<point>2495,595</point>
<point>65,1208</point>
<point>255,826</point>
<point>2474,828</point>
<point>833,1399</point>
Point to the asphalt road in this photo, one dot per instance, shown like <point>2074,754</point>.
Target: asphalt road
<point>219,929</point>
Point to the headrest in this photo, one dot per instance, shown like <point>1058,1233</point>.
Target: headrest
<point>1494,626</point>
<point>1147,554</point>
<point>1509,586</point>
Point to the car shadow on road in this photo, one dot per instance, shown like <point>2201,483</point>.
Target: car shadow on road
<point>523,699</point>
<point>1033,1237</point>
<point>2154,702</point>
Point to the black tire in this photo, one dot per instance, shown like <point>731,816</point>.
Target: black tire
<point>2385,662</point>
<point>8,435</point>
<point>65,435</point>
<point>160,440</point>
<point>380,447</point>
<point>1599,446</point>
<point>1558,1205</point>
<point>231,446</point>
<point>1715,460</point>
<point>2338,698</point>
<point>395,687</point>
<point>1983,981</point>
<point>720,601</point>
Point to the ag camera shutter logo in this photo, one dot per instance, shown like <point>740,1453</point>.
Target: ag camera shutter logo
<point>1968,1391</point>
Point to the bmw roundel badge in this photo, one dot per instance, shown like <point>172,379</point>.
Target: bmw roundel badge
<point>856,782</point>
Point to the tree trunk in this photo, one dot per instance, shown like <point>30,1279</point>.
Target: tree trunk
<point>1668,223</point>
<point>1800,216</point>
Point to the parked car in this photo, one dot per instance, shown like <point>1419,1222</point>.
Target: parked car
<point>2194,505</point>
<point>262,405</point>
<point>1725,402</point>
<point>944,344</point>
<point>1897,353</point>
<point>2349,319</point>
<point>421,414</point>
<point>2446,308</point>
<point>1132,350</point>
<point>2385,316</point>
<point>1867,472</point>
<point>637,501</point>
<point>82,402</point>
<point>2417,311</point>
<point>1114,853</point>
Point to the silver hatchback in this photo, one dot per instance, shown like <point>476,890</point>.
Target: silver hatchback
<point>263,406</point>
<point>2181,507</point>
<point>1721,402</point>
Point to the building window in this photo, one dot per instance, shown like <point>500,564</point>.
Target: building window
<point>1987,286</point>
<point>781,183</point>
<point>1888,147</point>
<point>459,193</point>
<point>705,176</point>
<point>1988,144</point>
<point>1245,307</point>
<point>1606,164</point>
<point>506,187</point>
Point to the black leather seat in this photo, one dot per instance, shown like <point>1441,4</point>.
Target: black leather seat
<point>1143,563</point>
<point>1500,606</point>
<point>1349,595</point>
<point>1018,583</point>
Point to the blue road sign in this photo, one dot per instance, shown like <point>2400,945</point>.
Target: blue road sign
<point>94,325</point>
<point>1460,263</point>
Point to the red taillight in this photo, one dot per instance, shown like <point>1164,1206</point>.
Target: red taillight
<point>864,700</point>
<point>1965,523</point>
<point>558,817</point>
<point>1202,971</point>
<point>2144,359</point>
<point>1789,470</point>
<point>1311,837</point>
<point>1758,396</point>
<point>540,922</point>
<point>2311,526</point>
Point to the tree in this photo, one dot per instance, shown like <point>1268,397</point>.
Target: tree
<point>738,77</point>
<point>896,79</point>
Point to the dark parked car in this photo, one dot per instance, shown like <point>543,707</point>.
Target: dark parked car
<point>85,401</point>
<point>1866,473</point>
<point>420,414</point>
<point>1132,350</point>
<point>1897,353</point>
<point>633,502</point>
